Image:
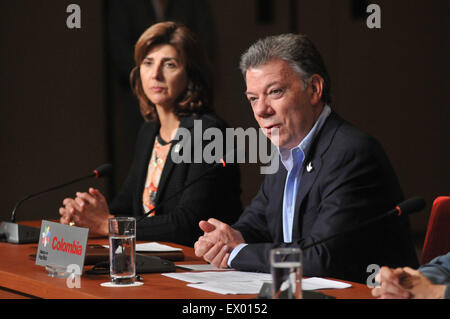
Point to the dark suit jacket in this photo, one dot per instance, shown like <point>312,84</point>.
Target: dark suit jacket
<point>352,180</point>
<point>217,194</point>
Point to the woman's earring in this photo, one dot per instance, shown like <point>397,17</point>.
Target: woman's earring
<point>190,88</point>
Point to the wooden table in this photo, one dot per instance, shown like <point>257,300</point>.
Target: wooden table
<point>21,278</point>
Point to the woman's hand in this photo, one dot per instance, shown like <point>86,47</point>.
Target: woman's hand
<point>88,210</point>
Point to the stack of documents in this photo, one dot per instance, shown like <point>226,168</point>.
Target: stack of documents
<point>239,282</point>
<point>153,247</point>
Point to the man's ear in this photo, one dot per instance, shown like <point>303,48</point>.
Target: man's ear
<point>316,87</point>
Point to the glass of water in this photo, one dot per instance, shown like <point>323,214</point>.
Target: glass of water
<point>286,268</point>
<point>122,250</point>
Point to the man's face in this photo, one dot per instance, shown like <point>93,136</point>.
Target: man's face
<point>280,105</point>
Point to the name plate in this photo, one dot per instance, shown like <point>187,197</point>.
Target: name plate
<point>61,245</point>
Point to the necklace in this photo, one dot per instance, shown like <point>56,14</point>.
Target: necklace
<point>161,141</point>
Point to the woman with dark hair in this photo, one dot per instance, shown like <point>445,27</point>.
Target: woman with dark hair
<point>173,84</point>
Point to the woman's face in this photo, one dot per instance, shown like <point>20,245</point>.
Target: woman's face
<point>163,75</point>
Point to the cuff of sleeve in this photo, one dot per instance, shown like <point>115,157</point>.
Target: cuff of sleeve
<point>234,252</point>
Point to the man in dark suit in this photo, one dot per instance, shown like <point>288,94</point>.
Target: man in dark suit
<point>332,177</point>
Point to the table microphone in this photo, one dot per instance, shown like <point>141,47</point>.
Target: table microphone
<point>407,207</point>
<point>21,234</point>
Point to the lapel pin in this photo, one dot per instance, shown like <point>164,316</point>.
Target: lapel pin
<point>177,148</point>
<point>309,167</point>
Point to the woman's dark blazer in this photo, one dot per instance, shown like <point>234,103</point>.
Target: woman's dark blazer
<point>216,194</point>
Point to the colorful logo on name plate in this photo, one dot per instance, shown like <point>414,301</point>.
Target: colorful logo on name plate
<point>46,236</point>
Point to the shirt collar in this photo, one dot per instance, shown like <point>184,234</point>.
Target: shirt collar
<point>299,152</point>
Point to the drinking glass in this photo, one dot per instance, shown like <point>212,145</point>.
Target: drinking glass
<point>122,250</point>
<point>286,269</point>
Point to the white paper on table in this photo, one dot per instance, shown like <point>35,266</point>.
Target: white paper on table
<point>233,288</point>
<point>220,276</point>
<point>153,247</point>
<point>202,267</point>
<point>315,283</point>
<point>157,247</point>
<point>240,282</point>
<point>254,287</point>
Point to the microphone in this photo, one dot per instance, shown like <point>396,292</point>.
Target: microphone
<point>407,207</point>
<point>410,206</point>
<point>102,170</point>
<point>182,189</point>
<point>20,234</point>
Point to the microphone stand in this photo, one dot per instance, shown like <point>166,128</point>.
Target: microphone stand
<point>408,206</point>
<point>19,203</point>
<point>222,162</point>
<point>357,227</point>
<point>21,234</point>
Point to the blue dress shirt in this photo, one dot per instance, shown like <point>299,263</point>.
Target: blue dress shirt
<point>438,272</point>
<point>293,162</point>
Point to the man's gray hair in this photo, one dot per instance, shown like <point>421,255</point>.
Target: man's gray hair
<point>296,49</point>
